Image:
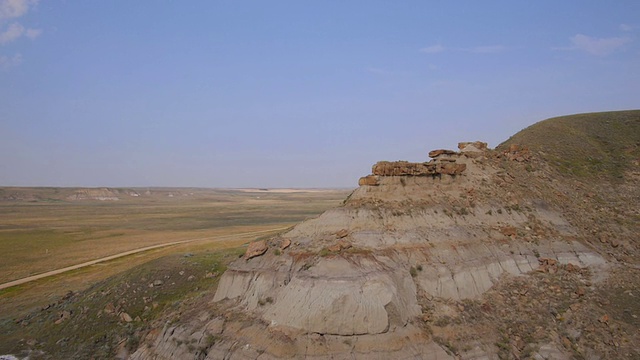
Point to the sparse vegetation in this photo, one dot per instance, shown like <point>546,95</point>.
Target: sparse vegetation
<point>210,340</point>
<point>413,271</point>
<point>450,348</point>
<point>95,326</point>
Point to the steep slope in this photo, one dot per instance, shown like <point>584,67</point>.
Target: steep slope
<point>475,254</point>
<point>593,162</point>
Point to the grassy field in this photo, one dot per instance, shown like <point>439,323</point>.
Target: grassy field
<point>92,331</point>
<point>42,229</point>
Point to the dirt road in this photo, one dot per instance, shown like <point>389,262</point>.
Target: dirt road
<point>126,253</point>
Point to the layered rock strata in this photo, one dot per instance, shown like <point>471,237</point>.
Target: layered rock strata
<point>410,234</point>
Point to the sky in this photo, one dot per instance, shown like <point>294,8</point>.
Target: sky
<point>298,94</point>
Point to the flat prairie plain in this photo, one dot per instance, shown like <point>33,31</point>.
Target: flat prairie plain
<point>43,229</point>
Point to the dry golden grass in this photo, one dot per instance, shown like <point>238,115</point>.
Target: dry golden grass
<point>40,235</point>
<point>40,230</point>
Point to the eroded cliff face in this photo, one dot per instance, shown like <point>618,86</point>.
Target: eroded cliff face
<point>360,280</point>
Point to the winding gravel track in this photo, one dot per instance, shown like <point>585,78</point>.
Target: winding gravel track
<point>126,253</point>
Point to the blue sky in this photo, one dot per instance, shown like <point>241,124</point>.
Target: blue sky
<point>291,93</point>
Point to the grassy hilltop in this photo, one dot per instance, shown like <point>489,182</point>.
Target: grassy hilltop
<point>593,144</point>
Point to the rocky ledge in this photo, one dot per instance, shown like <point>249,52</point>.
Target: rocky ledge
<point>361,280</point>
<point>444,162</point>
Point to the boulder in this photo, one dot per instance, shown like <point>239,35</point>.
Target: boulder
<point>256,248</point>
<point>125,317</point>
<point>472,146</point>
<point>285,243</point>
<point>451,168</point>
<point>342,233</point>
<point>334,248</point>
<point>109,309</point>
<point>509,231</point>
<point>435,153</point>
<point>62,316</point>
<point>339,246</point>
<point>518,153</point>
<point>370,180</point>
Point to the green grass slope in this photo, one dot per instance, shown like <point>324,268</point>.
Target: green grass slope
<point>91,324</point>
<point>602,144</point>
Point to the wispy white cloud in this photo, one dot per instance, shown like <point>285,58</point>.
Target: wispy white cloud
<point>434,49</point>
<point>10,61</point>
<point>11,9</point>
<point>489,49</point>
<point>625,27</point>
<point>13,32</point>
<point>32,33</point>
<point>485,49</point>
<point>596,46</point>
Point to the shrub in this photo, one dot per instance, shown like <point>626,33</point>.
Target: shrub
<point>413,272</point>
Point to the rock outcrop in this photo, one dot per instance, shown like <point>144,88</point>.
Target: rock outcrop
<point>361,279</point>
<point>256,248</point>
<point>444,163</point>
<point>517,153</point>
<point>405,168</point>
<point>436,153</point>
<point>473,146</point>
<point>370,180</point>
<point>102,194</point>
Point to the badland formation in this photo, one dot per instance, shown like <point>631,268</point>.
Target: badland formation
<point>476,254</point>
<point>526,251</point>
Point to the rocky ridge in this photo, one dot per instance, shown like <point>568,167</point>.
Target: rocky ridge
<point>102,194</point>
<point>378,276</point>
